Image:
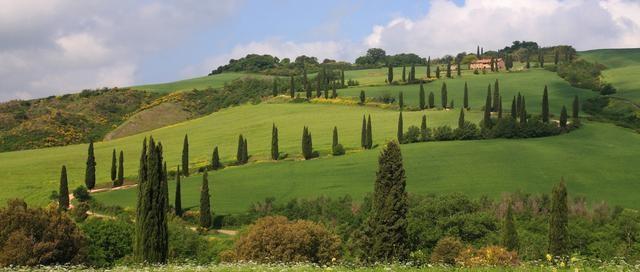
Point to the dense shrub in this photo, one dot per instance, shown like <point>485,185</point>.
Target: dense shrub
<point>487,256</point>
<point>81,194</point>
<point>412,135</point>
<point>37,236</point>
<point>607,89</point>
<point>276,239</point>
<point>469,131</point>
<point>581,74</point>
<point>109,240</point>
<point>187,244</point>
<point>443,133</point>
<point>447,250</point>
<point>338,150</point>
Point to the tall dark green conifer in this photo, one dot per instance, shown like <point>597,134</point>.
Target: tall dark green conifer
<point>400,129</point>
<point>556,57</point>
<point>240,153</point>
<point>307,144</point>
<point>274,89</point>
<point>185,156</point>
<point>519,105</point>
<point>334,91</point>
<point>401,101</point>
<point>459,69</point>
<point>275,152</point>
<point>449,69</point>
<point>478,52</point>
<point>151,239</point>
<point>369,133</point>
<point>559,222</point>
<point>437,71</point>
<point>335,141</point>
<point>514,110</point>
<point>496,96</point>
<point>292,89</point>
<point>245,151</point>
<point>363,135</point>
<point>461,119</point>
<point>362,97</point>
<point>387,223</point>
<point>177,202</point>
<point>205,205</point>
<point>63,193</point>
<point>486,120</point>
<point>390,74</point>
<point>422,97</point>
<point>114,169</point>
<point>90,172</point>
<point>545,105</point>
<point>509,232</point>
<point>424,133</point>
<point>500,107</point>
<point>342,84</point>
<point>563,117</point>
<point>404,73</point>
<point>412,73</point>
<point>466,97</point>
<point>215,159</point>
<point>576,108</point>
<point>523,112</point>
<point>432,100</point>
<point>443,95</point>
<point>429,67</point>
<point>120,179</point>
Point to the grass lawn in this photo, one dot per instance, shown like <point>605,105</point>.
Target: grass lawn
<point>214,81</point>
<point>33,174</point>
<point>529,83</point>
<point>623,69</point>
<point>590,162</point>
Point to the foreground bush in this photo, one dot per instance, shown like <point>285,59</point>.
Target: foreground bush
<point>487,256</point>
<point>38,236</point>
<point>109,240</point>
<point>276,239</point>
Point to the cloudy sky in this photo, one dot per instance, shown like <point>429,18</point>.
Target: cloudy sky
<point>59,46</point>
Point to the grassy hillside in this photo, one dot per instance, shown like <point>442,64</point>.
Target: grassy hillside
<point>213,81</point>
<point>623,68</point>
<point>529,83</point>
<point>591,164</point>
<point>32,174</point>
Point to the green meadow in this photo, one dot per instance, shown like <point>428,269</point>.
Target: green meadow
<point>623,69</point>
<point>213,81</point>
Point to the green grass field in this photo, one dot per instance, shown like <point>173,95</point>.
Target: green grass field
<point>623,69</point>
<point>591,163</point>
<point>214,81</point>
<point>529,83</point>
<point>33,174</point>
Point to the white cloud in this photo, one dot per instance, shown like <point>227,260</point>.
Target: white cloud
<point>448,28</point>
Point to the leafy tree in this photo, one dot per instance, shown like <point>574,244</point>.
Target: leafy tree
<point>437,71</point>
<point>185,156</point>
<point>63,200</point>
<point>466,96</point>
<point>404,71</point>
<point>496,96</point>
<point>151,243</point>
<point>363,136</point>
<point>545,105</point>
<point>275,153</point>
<point>386,226</point>
<point>432,100</point>
<point>429,67</point>
<point>509,232</point>
<point>559,222</point>
<point>90,173</point>
<point>215,159</point>
<point>422,97</point>
<point>390,74</point>
<point>292,88</point>
<point>443,95</point>
<point>369,133</point>
<point>114,169</point>
<point>576,107</point>
<point>401,101</point>
<point>424,133</point>
<point>362,97</point>
<point>563,117</point>
<point>205,205</point>
<point>400,128</point>
<point>178,199</point>
<point>461,119</point>
<point>121,169</point>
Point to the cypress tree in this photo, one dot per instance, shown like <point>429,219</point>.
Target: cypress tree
<point>481,50</point>
<point>274,91</point>
<point>215,159</point>
<point>400,129</point>
<point>245,151</point>
<point>401,101</point>
<point>307,91</point>
<point>563,117</point>
<point>513,108</point>
<point>437,71</point>
<point>459,68</point>
<point>478,52</point>
<point>292,89</point>
<point>541,59</point>
<point>432,100</point>
<point>390,74</point>
<point>443,95</point>
<point>275,152</point>
<point>326,90</point>
<point>412,73</point>
<point>363,136</point>
<point>205,205</point>
<point>519,105</point>
<point>341,80</point>
<point>334,91</point>
<point>178,199</point>
<point>429,67</point>
<point>449,69</point>
<point>387,222</point>
<point>307,144</point>
<point>486,120</point>
<point>121,169</point>
<point>496,95</point>
<point>90,172</point>
<point>576,108</point>
<point>422,97</point>
<point>466,96</point>
<point>151,243</point>
<point>114,169</point>
<point>362,97</point>
<point>63,193</point>
<point>556,58</point>
<point>545,105</point>
<point>489,94</point>
<point>185,156</point>
<point>523,112</point>
<point>559,222</point>
<point>509,232</point>
<point>492,65</point>
<point>461,119</point>
<point>424,134</point>
<point>528,65</point>
<point>404,71</point>
<point>240,153</point>
<point>335,140</point>
<point>451,104</point>
<point>500,108</point>
<point>305,79</point>
<point>369,133</point>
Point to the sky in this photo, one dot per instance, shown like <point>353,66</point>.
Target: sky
<point>54,47</point>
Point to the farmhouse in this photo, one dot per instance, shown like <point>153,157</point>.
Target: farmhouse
<point>486,64</point>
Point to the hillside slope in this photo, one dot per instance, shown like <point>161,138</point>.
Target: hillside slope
<point>623,69</point>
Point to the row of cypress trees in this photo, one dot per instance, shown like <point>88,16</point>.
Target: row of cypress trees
<point>117,172</point>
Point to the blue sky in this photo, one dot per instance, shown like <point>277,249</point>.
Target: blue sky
<point>61,46</point>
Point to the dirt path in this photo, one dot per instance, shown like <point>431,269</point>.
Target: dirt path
<point>71,197</point>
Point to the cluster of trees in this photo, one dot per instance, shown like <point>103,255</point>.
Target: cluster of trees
<point>376,57</point>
